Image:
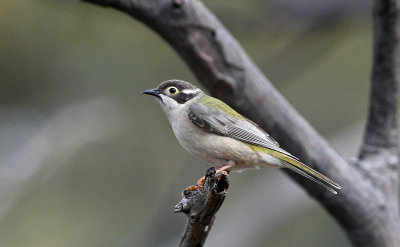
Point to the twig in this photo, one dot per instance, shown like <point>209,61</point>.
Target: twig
<point>200,208</point>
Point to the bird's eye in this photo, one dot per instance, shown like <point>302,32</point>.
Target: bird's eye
<point>172,90</point>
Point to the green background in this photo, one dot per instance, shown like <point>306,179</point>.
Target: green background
<point>86,160</point>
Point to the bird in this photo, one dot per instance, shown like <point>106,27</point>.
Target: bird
<point>212,131</point>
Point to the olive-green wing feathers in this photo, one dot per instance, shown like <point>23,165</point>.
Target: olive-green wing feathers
<point>220,119</point>
<point>215,116</point>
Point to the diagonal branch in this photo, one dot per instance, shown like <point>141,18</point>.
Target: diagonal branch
<point>222,66</point>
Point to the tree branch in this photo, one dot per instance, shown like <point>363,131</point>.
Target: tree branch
<point>201,207</point>
<point>378,159</point>
<point>381,131</point>
<point>224,68</point>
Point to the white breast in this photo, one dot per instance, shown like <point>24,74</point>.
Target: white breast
<point>215,149</point>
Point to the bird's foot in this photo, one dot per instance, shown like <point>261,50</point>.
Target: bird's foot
<point>200,183</point>
<point>224,168</point>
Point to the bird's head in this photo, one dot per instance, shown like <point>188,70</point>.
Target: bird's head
<point>174,92</point>
<point>174,95</point>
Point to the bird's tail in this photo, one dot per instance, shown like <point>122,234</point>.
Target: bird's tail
<point>295,165</point>
<point>311,174</point>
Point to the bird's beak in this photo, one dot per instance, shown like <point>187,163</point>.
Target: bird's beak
<point>153,92</point>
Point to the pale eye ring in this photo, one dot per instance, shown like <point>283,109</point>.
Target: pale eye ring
<point>172,90</point>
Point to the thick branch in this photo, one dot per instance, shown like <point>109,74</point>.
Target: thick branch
<point>379,152</point>
<point>201,207</point>
<point>224,68</point>
<point>379,161</point>
<point>381,131</point>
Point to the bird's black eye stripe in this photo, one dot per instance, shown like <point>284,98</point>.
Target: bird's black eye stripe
<point>179,94</point>
<point>182,97</point>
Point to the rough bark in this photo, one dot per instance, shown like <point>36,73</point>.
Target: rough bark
<point>367,206</point>
<point>378,159</point>
<point>200,208</point>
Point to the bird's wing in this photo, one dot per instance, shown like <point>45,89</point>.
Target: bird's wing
<point>217,117</point>
<point>223,120</point>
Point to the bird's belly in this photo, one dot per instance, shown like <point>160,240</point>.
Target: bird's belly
<point>215,149</point>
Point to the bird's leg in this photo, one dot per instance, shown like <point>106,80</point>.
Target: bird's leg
<point>225,168</point>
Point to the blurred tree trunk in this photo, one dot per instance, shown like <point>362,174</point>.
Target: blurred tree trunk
<point>368,205</point>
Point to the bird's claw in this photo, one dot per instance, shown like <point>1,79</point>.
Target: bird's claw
<point>200,183</point>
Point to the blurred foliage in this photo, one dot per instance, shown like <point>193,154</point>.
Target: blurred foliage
<point>120,191</point>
